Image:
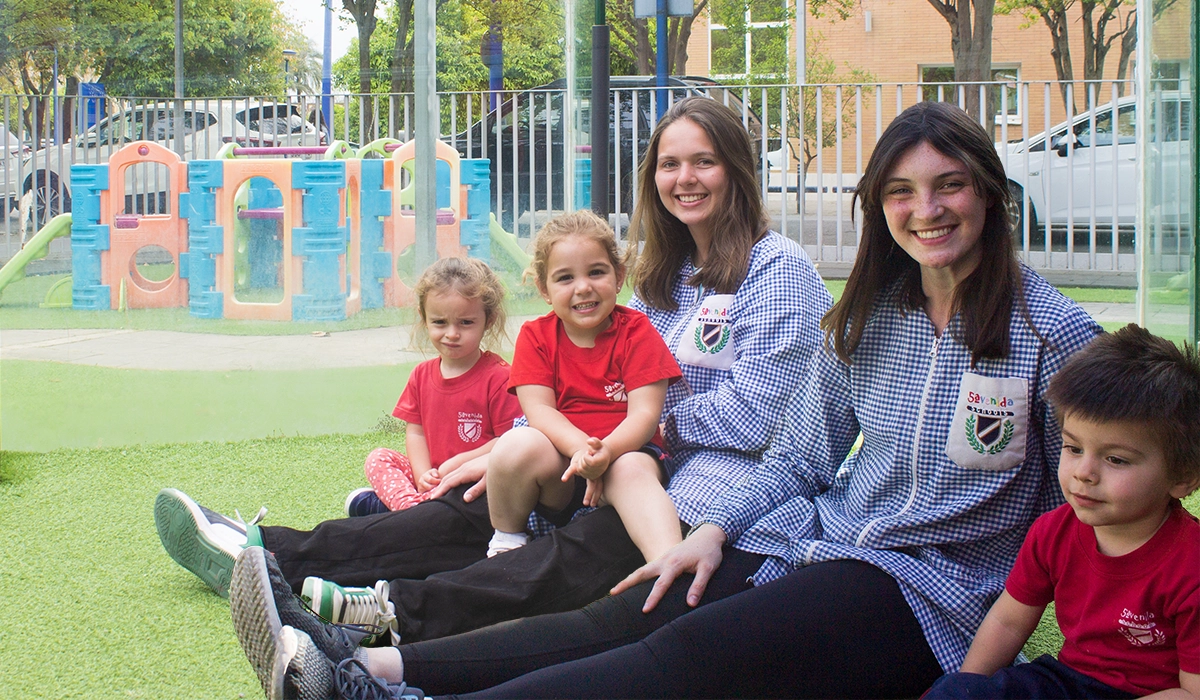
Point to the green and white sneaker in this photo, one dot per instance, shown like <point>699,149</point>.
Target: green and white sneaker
<point>350,605</point>
<point>200,540</point>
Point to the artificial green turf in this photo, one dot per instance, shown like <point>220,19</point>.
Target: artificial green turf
<point>49,405</point>
<point>94,606</point>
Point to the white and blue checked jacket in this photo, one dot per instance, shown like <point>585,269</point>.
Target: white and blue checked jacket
<point>947,534</point>
<point>719,422</point>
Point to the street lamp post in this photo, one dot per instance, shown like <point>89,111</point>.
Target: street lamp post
<point>288,54</point>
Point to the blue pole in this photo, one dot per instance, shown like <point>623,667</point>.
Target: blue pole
<point>327,70</point>
<point>660,74</point>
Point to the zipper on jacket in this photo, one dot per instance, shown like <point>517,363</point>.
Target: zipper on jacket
<point>916,450</point>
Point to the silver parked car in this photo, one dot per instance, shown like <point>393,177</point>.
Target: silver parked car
<point>206,126</point>
<point>1088,166</point>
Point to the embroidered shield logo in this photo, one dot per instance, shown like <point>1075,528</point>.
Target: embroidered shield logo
<point>469,430</point>
<point>616,392</point>
<point>987,434</point>
<point>711,338</point>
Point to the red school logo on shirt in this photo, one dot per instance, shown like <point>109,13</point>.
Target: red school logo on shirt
<point>616,392</point>
<point>470,427</point>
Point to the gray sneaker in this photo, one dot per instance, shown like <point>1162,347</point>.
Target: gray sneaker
<point>354,682</point>
<point>200,540</point>
<point>262,606</point>
<point>297,668</point>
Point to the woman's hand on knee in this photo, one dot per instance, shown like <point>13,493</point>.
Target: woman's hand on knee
<point>474,471</point>
<point>699,554</point>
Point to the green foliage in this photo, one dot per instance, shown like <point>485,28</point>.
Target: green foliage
<point>231,47</point>
<point>533,51</point>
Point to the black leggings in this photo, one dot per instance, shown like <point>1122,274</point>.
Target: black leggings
<point>837,629</point>
<point>483,658</point>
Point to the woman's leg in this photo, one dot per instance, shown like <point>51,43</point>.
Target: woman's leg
<point>443,534</point>
<point>835,629</point>
<point>633,485</point>
<point>391,475</point>
<point>492,655</point>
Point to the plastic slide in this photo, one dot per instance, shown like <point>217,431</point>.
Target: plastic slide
<point>505,248</point>
<point>35,249</point>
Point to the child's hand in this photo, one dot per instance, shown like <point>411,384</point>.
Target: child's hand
<point>595,491</point>
<point>590,462</point>
<point>429,480</point>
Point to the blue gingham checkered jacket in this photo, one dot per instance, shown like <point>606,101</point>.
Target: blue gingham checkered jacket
<point>947,534</point>
<point>719,421</point>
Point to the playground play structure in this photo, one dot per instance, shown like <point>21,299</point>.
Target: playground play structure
<point>258,233</point>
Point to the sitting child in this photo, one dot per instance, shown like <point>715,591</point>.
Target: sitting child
<point>1121,560</point>
<point>591,377</point>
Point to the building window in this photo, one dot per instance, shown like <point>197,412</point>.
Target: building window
<point>749,38</point>
<point>1006,103</point>
<point>1166,75</point>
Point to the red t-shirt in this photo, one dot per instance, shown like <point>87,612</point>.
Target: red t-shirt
<point>462,413</point>
<point>590,384</point>
<point>1132,621</point>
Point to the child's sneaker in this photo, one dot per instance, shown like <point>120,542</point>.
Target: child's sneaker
<point>200,540</point>
<point>349,605</point>
<point>364,501</point>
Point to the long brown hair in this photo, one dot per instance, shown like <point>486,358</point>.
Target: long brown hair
<point>665,242</point>
<point>985,298</point>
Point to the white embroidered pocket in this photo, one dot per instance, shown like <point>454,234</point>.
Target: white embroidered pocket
<point>708,340</point>
<point>990,420</point>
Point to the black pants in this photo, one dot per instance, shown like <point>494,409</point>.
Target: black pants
<point>433,556</point>
<point>837,629</point>
<point>1045,677</point>
<point>489,656</point>
<point>444,534</point>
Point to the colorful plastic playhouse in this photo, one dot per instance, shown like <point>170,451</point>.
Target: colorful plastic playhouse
<point>258,234</point>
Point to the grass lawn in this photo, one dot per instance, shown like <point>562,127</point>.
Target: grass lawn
<point>49,405</point>
<point>103,612</point>
<point>96,607</point>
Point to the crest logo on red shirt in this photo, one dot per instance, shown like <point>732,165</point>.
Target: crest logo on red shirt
<point>469,429</point>
<point>616,392</point>
<point>1140,630</point>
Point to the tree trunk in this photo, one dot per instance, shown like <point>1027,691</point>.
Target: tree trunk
<point>680,38</point>
<point>363,12</point>
<point>402,59</point>
<point>1060,50</point>
<point>644,54</point>
<point>971,42</point>
<point>1096,44</point>
<point>1128,47</point>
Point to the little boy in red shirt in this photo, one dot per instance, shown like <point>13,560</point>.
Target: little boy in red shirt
<point>1121,560</point>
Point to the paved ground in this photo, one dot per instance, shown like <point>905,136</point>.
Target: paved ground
<point>167,350</point>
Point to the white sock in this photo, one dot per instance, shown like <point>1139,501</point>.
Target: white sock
<point>385,662</point>
<point>504,541</point>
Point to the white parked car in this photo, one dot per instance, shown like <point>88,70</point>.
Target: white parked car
<point>1089,164</point>
<point>207,126</point>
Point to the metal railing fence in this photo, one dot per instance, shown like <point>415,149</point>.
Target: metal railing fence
<point>1069,152</point>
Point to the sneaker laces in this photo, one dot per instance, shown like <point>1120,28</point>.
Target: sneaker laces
<point>375,610</point>
<point>262,515</point>
<point>355,682</point>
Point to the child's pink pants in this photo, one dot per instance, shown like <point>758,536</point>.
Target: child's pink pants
<point>391,475</point>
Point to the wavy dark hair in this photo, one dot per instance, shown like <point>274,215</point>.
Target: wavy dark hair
<point>665,242</point>
<point>986,297</point>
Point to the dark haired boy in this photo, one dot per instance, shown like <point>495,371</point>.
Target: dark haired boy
<point>1121,560</point>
